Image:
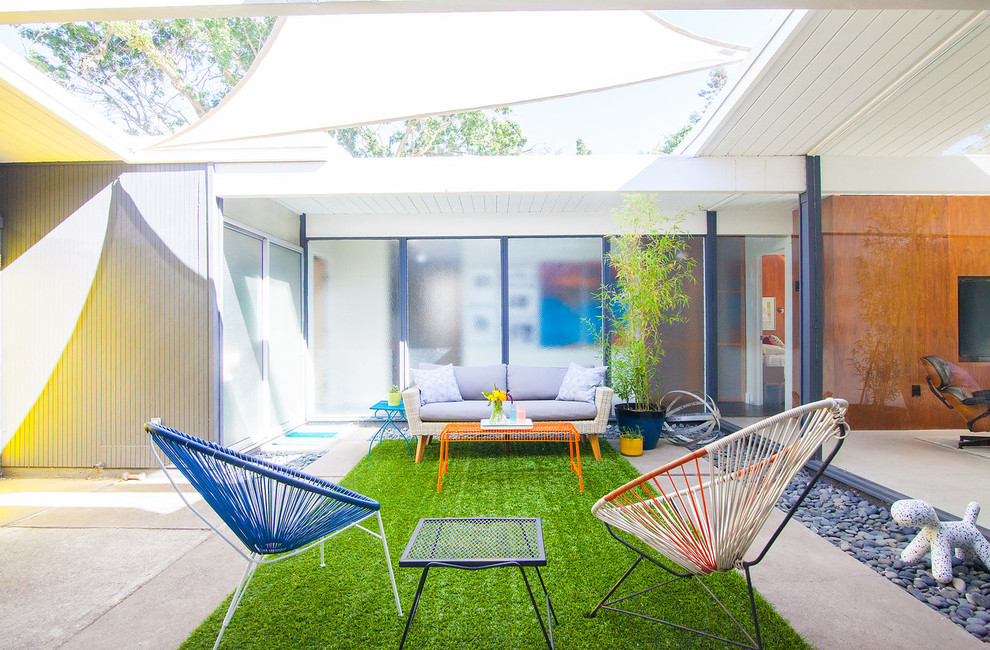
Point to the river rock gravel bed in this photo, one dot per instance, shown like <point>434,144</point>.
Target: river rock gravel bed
<point>865,530</point>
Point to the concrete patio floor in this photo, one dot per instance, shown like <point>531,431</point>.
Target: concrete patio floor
<point>100,562</point>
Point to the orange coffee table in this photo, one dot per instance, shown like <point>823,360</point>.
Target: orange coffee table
<point>540,432</point>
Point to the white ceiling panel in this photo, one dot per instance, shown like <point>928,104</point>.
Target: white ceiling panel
<point>861,83</point>
<point>774,95</point>
<point>460,203</point>
<point>941,104</point>
<point>862,67</point>
<point>508,203</point>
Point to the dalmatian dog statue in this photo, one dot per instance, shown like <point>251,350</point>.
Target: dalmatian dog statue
<point>941,537</point>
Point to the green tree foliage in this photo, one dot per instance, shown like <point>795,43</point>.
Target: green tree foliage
<point>675,139</point>
<point>154,76</point>
<point>475,133</point>
<point>582,148</point>
<point>716,81</point>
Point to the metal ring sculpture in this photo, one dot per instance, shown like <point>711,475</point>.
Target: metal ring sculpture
<point>691,419</point>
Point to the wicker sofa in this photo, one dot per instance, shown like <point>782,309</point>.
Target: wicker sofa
<point>535,387</point>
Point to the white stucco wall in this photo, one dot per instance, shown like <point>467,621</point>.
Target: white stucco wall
<point>264,215</point>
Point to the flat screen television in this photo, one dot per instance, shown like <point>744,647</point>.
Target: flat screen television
<point>974,318</point>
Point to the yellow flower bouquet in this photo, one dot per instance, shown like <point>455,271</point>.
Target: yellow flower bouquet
<point>495,400</point>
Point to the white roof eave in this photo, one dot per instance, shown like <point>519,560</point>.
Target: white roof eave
<point>62,117</point>
<point>754,65</point>
<point>507,174</point>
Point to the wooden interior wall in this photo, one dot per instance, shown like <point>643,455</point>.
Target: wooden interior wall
<point>773,287</point>
<point>891,266</point>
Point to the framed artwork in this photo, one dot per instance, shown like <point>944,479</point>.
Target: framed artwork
<point>769,314</point>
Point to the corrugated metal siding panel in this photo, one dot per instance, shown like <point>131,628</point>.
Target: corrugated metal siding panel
<point>139,347</point>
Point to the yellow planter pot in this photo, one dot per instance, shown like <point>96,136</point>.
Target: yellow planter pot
<point>394,399</point>
<point>631,446</point>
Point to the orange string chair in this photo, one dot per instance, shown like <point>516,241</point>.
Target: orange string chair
<point>703,511</point>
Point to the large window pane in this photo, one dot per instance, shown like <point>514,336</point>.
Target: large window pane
<point>683,365</point>
<point>354,324</point>
<point>286,346</point>
<point>454,302</point>
<point>552,311</point>
<point>731,324</point>
<point>244,399</point>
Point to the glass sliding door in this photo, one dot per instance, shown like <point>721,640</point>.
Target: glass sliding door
<point>552,311</point>
<point>354,324</point>
<point>455,301</point>
<point>244,412</point>
<point>264,354</point>
<point>287,349</point>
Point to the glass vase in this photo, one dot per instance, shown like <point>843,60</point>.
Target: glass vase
<point>498,414</point>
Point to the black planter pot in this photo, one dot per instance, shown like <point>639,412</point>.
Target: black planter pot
<point>648,423</point>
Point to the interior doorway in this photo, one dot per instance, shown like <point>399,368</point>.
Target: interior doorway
<point>772,336</point>
<point>769,323</point>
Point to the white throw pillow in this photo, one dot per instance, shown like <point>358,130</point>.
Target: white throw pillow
<point>579,383</point>
<point>437,385</point>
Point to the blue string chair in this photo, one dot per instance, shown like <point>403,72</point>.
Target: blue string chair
<point>274,511</point>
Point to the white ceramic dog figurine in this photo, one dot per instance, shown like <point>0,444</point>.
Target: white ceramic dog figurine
<point>941,537</point>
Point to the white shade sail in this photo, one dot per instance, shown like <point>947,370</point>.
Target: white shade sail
<point>335,71</point>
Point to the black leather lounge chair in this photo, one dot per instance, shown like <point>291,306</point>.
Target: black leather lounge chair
<point>955,388</point>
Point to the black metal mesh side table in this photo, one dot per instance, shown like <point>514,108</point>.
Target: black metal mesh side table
<point>479,543</point>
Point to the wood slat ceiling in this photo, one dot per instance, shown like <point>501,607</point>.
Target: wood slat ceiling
<point>865,83</point>
<point>455,203</point>
<point>945,102</point>
<point>526,203</point>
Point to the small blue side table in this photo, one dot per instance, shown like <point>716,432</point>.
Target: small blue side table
<point>388,413</point>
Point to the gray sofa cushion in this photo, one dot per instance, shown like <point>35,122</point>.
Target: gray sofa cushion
<point>477,410</point>
<point>532,382</point>
<point>475,380</point>
<point>466,411</point>
<point>549,409</point>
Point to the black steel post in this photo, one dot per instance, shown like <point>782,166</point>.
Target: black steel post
<point>811,298</point>
<point>711,306</point>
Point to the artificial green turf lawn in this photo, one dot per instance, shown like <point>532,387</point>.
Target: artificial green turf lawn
<point>349,604</point>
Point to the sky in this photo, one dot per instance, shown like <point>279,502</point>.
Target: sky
<point>631,119</point>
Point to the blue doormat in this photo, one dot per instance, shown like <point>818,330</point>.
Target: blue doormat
<point>311,434</point>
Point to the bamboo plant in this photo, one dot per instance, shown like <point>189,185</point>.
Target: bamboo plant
<point>648,256</point>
